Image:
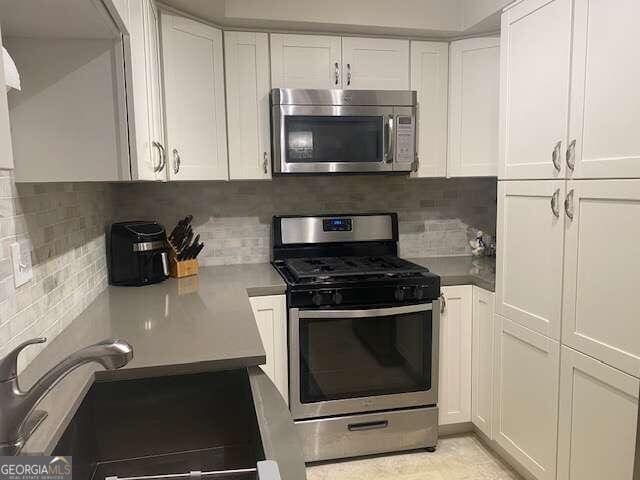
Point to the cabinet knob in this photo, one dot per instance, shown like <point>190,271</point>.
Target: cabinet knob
<point>568,205</point>
<point>348,74</point>
<point>265,163</point>
<point>554,203</point>
<point>337,73</point>
<point>571,155</point>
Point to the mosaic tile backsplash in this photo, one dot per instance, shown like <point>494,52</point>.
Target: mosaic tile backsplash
<point>65,225</point>
<point>437,216</point>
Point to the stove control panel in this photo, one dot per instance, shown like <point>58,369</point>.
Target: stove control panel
<point>337,225</point>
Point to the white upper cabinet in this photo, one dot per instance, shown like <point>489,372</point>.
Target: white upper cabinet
<point>429,78</point>
<point>530,237</point>
<point>601,263</point>
<point>146,116</point>
<point>194,99</point>
<point>598,408</point>
<point>375,64</point>
<point>482,360</point>
<point>473,107</point>
<point>248,84</point>
<point>605,105</point>
<point>526,396</point>
<point>6,151</point>
<point>534,89</point>
<point>306,61</point>
<point>454,385</point>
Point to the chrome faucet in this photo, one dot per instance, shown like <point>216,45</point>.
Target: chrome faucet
<point>18,419</point>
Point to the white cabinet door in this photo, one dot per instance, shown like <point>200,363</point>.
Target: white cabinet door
<point>605,105</point>
<point>305,61</point>
<point>375,63</point>
<point>6,151</point>
<point>526,397</point>
<point>429,78</point>
<point>598,417</point>
<point>454,385</point>
<point>194,99</point>
<point>602,260</point>
<point>144,94</point>
<point>529,258</point>
<point>534,88</point>
<point>482,360</point>
<point>248,85</point>
<point>271,316</point>
<point>474,66</point>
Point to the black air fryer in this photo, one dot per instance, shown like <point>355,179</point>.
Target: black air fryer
<point>137,253</point>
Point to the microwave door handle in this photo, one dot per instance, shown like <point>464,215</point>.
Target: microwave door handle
<point>388,155</point>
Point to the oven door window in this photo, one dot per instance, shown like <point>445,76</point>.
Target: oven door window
<point>343,358</point>
<point>325,139</point>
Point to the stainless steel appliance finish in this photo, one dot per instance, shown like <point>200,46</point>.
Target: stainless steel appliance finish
<point>361,228</point>
<point>371,403</point>
<point>363,335</point>
<point>339,131</point>
<point>372,433</point>
<point>17,416</point>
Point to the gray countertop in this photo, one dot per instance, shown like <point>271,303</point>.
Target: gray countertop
<point>197,324</point>
<point>478,271</point>
<point>190,325</point>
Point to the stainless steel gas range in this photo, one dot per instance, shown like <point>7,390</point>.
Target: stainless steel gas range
<point>363,336</point>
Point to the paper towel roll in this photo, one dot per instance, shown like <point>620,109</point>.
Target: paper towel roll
<point>11,75</point>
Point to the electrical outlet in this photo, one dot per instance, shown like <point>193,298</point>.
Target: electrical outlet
<point>21,257</point>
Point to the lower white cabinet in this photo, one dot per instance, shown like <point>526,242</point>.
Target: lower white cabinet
<point>194,99</point>
<point>270,313</point>
<point>598,415</point>
<point>482,360</point>
<point>601,305</point>
<point>526,397</point>
<point>454,385</point>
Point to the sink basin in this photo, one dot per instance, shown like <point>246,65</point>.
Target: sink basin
<point>164,425</point>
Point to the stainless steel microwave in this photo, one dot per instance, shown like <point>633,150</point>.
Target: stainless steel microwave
<point>337,131</point>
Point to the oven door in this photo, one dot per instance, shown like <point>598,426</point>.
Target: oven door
<point>327,139</point>
<point>351,361</point>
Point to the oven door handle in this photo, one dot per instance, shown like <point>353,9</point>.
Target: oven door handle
<point>370,312</point>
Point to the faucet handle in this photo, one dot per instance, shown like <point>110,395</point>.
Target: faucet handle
<point>9,364</point>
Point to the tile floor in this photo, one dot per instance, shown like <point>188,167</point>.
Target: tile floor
<point>457,458</point>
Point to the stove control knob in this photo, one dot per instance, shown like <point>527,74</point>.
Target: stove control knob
<point>317,299</point>
<point>337,298</point>
<point>418,293</point>
<point>402,293</point>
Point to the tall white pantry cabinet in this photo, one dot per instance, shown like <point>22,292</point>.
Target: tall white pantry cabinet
<point>567,308</point>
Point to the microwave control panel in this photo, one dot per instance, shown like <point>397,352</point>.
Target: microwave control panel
<point>405,139</point>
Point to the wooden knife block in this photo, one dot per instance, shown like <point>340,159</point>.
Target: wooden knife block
<point>181,268</point>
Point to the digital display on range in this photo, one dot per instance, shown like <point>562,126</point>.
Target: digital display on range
<point>336,224</point>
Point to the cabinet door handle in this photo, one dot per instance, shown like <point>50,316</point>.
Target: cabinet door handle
<point>176,161</point>
<point>571,155</point>
<point>265,163</point>
<point>337,73</point>
<point>163,156</point>
<point>443,304</point>
<point>348,74</point>
<point>568,205</point>
<point>555,156</point>
<point>554,203</point>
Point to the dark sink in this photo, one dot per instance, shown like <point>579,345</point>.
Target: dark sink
<point>164,425</point>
